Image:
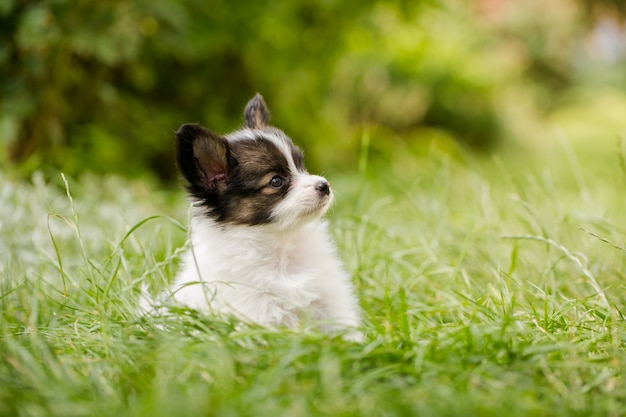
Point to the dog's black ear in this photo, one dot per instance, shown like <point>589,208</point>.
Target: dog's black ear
<point>256,114</point>
<point>203,158</point>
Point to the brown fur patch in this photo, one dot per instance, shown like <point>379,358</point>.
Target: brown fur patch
<point>249,198</point>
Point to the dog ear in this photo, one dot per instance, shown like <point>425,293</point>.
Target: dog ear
<point>203,158</point>
<point>256,114</point>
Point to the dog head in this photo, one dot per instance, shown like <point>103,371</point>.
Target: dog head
<point>252,176</point>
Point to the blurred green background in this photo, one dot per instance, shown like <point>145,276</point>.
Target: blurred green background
<point>101,86</point>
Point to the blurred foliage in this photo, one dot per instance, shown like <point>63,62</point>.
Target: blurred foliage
<point>101,86</point>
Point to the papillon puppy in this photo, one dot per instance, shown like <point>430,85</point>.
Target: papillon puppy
<point>259,247</point>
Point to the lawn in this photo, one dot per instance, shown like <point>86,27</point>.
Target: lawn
<point>490,286</point>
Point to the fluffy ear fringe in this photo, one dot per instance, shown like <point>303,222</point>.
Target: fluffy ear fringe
<point>202,158</point>
<point>256,114</point>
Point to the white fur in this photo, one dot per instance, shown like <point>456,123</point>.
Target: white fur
<point>302,203</point>
<point>267,274</point>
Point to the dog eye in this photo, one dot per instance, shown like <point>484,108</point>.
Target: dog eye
<point>276,181</point>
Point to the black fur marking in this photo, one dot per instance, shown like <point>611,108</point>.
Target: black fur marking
<point>249,198</point>
<point>203,158</point>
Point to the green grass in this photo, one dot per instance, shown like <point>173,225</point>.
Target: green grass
<point>489,287</point>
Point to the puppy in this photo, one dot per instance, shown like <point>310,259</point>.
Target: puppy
<point>259,248</point>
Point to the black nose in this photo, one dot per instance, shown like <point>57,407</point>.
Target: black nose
<point>323,187</point>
